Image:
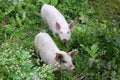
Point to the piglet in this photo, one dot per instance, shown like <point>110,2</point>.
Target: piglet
<point>56,22</point>
<point>50,54</point>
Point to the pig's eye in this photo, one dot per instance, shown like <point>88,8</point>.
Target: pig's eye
<point>64,61</point>
<point>73,63</point>
<point>68,32</point>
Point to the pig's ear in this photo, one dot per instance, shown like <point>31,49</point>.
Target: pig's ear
<point>57,26</point>
<point>73,53</point>
<point>58,57</point>
<point>71,25</point>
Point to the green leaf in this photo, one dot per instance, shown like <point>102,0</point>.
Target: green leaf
<point>9,10</point>
<point>1,15</point>
<point>23,55</point>
<point>18,19</point>
<point>91,61</point>
<point>91,51</point>
<point>24,15</point>
<point>46,1</point>
<point>94,48</point>
<point>54,2</point>
<point>41,1</point>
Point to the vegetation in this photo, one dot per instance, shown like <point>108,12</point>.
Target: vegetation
<point>96,37</point>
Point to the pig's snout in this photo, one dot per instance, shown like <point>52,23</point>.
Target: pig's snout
<point>73,69</point>
<point>64,40</point>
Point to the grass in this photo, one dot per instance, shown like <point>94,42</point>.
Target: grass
<point>96,37</point>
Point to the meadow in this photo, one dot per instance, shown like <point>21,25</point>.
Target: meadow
<point>96,36</point>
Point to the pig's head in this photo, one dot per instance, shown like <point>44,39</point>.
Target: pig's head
<point>64,31</point>
<point>65,60</point>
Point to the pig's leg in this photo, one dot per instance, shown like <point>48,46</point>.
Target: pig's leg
<point>37,54</point>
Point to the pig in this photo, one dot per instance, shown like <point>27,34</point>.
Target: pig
<point>48,51</point>
<point>56,22</point>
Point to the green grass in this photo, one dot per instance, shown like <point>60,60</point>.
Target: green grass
<point>96,37</point>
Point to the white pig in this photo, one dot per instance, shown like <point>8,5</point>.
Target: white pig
<point>50,54</point>
<point>56,22</point>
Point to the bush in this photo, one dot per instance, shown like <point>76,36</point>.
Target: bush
<point>15,63</point>
<point>96,37</point>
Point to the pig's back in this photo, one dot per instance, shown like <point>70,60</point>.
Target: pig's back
<point>50,11</point>
<point>46,48</point>
<point>43,40</point>
<point>50,15</point>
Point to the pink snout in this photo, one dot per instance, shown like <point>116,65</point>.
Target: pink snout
<point>64,40</point>
<point>72,69</point>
